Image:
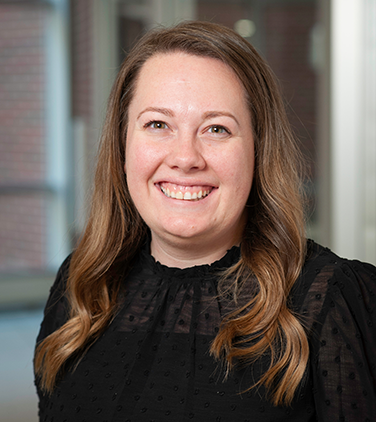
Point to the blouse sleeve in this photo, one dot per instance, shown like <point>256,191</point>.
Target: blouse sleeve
<point>56,310</point>
<point>343,343</point>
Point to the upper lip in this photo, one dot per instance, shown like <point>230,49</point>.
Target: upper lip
<point>186,182</point>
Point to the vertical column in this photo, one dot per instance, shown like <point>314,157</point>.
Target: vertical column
<point>105,58</point>
<point>347,133</point>
<point>369,113</point>
<point>353,169</point>
<point>58,132</point>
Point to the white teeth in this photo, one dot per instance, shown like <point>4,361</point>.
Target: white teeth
<point>186,196</point>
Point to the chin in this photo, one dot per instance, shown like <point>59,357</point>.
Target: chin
<point>185,232</point>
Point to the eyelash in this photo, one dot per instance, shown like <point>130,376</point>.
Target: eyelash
<point>219,127</point>
<point>154,122</point>
<point>210,128</point>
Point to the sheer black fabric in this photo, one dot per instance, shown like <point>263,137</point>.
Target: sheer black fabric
<point>153,362</point>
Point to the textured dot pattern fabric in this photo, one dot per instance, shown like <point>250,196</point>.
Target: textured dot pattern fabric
<point>153,361</point>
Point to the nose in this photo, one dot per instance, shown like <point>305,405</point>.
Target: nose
<point>186,153</point>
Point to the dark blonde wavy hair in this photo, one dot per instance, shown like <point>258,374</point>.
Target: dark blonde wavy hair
<point>273,243</point>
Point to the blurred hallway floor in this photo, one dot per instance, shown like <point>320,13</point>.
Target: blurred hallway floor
<point>18,331</point>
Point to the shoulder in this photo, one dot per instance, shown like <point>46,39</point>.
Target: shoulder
<point>57,309</point>
<point>335,299</point>
<point>336,302</point>
<point>58,289</point>
<point>331,288</point>
<point>325,274</point>
<point>319,258</point>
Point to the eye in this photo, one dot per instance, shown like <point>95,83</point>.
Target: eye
<point>217,129</point>
<point>156,124</point>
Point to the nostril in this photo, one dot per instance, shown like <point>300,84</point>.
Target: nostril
<point>187,162</point>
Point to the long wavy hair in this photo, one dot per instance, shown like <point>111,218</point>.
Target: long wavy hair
<point>273,243</point>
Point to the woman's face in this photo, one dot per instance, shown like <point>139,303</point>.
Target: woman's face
<point>190,151</point>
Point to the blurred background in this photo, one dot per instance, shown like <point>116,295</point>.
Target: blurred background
<point>58,59</point>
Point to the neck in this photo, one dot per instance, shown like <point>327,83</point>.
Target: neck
<point>185,254</point>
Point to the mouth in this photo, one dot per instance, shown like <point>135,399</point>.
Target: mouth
<point>185,193</point>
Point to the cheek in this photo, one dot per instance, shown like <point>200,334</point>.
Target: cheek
<point>130,166</point>
<point>134,158</point>
<point>244,176</point>
<point>141,163</point>
<point>238,168</point>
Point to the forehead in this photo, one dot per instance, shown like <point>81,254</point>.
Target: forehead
<point>186,73</point>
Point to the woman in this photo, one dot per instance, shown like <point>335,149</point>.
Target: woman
<point>193,293</point>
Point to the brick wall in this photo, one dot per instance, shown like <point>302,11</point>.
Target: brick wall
<point>22,135</point>
<point>22,58</point>
<point>22,232</point>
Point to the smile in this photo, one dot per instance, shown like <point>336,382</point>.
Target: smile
<point>187,193</point>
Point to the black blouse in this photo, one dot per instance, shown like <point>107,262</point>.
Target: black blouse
<point>153,361</point>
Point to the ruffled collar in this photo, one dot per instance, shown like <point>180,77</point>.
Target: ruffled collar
<point>147,260</point>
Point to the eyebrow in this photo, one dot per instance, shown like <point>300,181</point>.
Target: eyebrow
<point>212,114</point>
<point>165,111</point>
<point>168,112</point>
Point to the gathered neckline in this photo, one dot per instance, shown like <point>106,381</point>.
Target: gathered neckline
<point>230,258</point>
